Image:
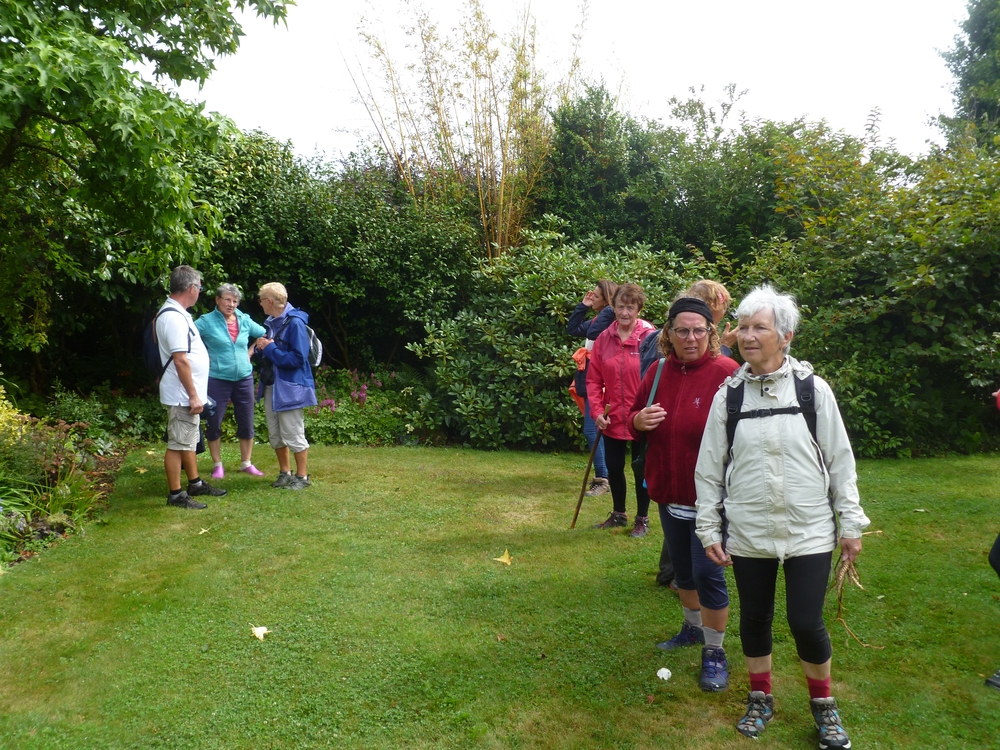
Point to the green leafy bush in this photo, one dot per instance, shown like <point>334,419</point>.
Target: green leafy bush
<point>500,369</point>
<point>358,409</point>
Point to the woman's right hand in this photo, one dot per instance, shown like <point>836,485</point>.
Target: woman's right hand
<point>716,554</point>
<point>602,422</point>
<point>589,298</point>
<point>649,418</point>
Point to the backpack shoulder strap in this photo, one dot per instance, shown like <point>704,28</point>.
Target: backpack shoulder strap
<point>156,339</point>
<point>656,381</point>
<point>734,404</point>
<point>805,392</point>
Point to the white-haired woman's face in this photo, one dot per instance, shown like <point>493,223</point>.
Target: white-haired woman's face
<point>759,342</point>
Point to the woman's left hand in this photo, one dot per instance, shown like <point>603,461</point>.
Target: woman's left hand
<point>716,554</point>
<point>850,549</point>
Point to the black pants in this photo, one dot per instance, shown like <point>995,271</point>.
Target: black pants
<point>805,589</point>
<point>614,454</point>
<point>995,556</point>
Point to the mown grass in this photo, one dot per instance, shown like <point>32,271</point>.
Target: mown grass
<point>394,627</point>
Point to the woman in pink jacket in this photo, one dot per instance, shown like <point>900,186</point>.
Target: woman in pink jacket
<point>612,382</point>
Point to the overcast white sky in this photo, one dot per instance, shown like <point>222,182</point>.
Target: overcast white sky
<point>822,60</point>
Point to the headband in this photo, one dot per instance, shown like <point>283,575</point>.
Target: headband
<point>691,304</point>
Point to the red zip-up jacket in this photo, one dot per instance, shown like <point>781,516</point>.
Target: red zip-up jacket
<point>685,392</point>
<point>613,377</point>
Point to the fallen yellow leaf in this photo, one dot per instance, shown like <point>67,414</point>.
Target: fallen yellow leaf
<point>141,470</point>
<point>204,531</point>
<point>260,632</point>
<point>150,453</point>
<point>506,559</point>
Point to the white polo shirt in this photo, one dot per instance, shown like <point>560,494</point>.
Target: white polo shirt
<point>172,334</point>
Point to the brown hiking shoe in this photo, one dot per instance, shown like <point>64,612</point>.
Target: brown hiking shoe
<point>598,486</point>
<point>641,527</point>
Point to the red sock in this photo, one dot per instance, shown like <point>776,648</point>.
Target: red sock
<point>818,688</point>
<point>761,681</point>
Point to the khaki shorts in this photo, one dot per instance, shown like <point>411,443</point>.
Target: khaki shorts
<point>182,428</point>
<point>285,429</point>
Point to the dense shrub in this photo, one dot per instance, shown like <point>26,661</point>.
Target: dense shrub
<point>896,274</point>
<point>500,369</point>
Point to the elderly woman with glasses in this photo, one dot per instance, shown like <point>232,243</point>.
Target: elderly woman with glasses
<point>777,486</point>
<point>691,372</point>
<point>228,332</point>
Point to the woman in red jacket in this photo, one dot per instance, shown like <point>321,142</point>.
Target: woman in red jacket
<point>692,373</point>
<point>612,381</point>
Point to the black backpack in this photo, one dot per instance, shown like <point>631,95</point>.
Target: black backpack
<point>151,347</point>
<point>805,392</point>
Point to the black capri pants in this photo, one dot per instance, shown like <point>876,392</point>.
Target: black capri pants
<point>806,579</point>
<point>614,456</point>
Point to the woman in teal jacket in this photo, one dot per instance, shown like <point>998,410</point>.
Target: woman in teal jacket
<point>227,333</point>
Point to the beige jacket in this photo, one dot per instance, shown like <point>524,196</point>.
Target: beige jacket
<point>776,491</point>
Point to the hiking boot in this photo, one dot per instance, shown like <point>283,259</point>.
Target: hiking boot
<point>298,483</point>
<point>218,472</point>
<point>252,471</point>
<point>641,527</point>
<point>204,488</point>
<point>184,500</point>
<point>714,670</point>
<point>598,486</point>
<point>831,733</point>
<point>688,636</point>
<point>994,681</point>
<point>615,519</point>
<point>284,478</point>
<point>760,710</point>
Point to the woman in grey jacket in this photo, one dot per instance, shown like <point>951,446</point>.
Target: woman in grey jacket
<point>782,492</point>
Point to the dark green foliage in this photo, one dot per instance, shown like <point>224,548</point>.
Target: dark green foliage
<point>94,191</point>
<point>353,248</point>
<point>975,63</point>
<point>500,369</point>
<point>896,274</point>
<point>597,152</point>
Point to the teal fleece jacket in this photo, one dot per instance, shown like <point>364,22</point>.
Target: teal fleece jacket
<point>228,358</point>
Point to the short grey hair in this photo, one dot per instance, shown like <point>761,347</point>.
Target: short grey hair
<point>230,289</point>
<point>183,278</point>
<point>786,312</point>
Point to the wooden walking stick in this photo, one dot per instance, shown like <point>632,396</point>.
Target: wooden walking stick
<point>586,474</point>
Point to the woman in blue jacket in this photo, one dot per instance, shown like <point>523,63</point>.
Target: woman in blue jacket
<point>597,300</point>
<point>227,333</point>
<point>286,384</point>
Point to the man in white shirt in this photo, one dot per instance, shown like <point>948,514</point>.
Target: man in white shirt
<point>183,388</point>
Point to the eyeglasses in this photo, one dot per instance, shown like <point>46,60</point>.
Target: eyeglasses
<point>683,333</point>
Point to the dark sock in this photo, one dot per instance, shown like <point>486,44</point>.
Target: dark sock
<point>175,493</point>
<point>193,482</point>
<point>761,681</point>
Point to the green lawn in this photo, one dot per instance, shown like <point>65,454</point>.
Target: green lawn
<point>393,627</point>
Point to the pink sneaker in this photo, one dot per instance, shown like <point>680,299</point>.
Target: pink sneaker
<point>218,473</point>
<point>253,471</point>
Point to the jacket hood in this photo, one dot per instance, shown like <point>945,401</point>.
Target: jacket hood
<point>642,327</point>
<point>801,370</point>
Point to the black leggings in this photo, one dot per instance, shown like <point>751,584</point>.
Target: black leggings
<point>805,589</point>
<point>995,555</point>
<point>614,454</point>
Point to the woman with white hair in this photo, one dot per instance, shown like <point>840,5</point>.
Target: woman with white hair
<point>775,477</point>
<point>227,332</point>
